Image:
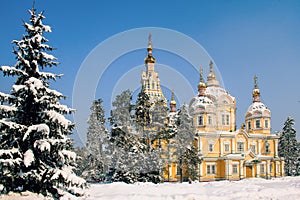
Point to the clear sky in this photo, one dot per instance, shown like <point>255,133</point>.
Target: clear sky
<point>244,38</point>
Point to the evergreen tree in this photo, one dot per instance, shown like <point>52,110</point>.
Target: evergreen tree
<point>287,147</point>
<point>125,144</point>
<point>142,116</point>
<point>97,138</point>
<point>184,141</point>
<point>35,150</point>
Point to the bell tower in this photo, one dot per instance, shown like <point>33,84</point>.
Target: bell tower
<point>150,79</point>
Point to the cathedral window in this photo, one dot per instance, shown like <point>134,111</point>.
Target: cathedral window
<point>209,120</point>
<point>234,169</point>
<point>200,120</point>
<point>266,123</point>
<point>253,147</point>
<point>153,85</point>
<point>267,147</point>
<point>227,120</point>
<point>249,125</point>
<point>210,169</point>
<point>227,147</point>
<point>210,147</point>
<point>257,123</point>
<point>240,146</point>
<point>262,168</point>
<point>223,119</point>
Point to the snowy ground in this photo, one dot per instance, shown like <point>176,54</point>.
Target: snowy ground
<point>281,188</point>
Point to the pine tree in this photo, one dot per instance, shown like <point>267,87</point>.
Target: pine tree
<point>184,141</point>
<point>97,138</point>
<point>125,144</point>
<point>142,116</point>
<point>287,147</point>
<point>35,150</point>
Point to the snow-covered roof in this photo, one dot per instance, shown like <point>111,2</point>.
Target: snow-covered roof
<point>217,92</point>
<point>259,108</point>
<point>201,103</point>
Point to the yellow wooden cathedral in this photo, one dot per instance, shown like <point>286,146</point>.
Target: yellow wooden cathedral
<point>228,153</point>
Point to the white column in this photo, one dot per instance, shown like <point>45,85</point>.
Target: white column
<point>200,169</point>
<point>199,145</point>
<point>276,148</point>
<point>241,170</point>
<point>257,170</point>
<point>227,169</point>
<point>233,145</point>
<point>268,169</point>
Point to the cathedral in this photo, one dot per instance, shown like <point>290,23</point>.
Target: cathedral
<point>228,153</point>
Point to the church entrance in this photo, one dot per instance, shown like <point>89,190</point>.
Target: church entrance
<point>249,171</point>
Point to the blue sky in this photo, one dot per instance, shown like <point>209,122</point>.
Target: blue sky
<point>244,38</point>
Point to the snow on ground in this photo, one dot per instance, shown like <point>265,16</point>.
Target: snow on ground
<point>280,188</point>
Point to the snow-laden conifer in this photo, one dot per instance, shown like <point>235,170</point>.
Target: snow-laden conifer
<point>35,150</point>
<point>288,147</point>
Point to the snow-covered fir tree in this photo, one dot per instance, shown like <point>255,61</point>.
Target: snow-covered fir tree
<point>288,147</point>
<point>97,138</point>
<point>142,116</point>
<point>126,147</point>
<point>132,159</point>
<point>36,153</point>
<point>184,142</point>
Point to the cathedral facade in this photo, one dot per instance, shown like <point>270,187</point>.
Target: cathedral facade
<point>227,153</point>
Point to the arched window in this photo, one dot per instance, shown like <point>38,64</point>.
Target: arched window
<point>200,120</point>
<point>249,125</point>
<point>267,147</point>
<point>257,123</point>
<point>266,123</point>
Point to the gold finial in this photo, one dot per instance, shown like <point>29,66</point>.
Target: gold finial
<point>255,82</point>
<point>211,75</point>
<point>201,75</point>
<point>173,102</point>
<point>150,41</point>
<point>211,63</point>
<point>256,91</point>
<point>201,83</point>
<point>149,58</point>
<point>173,97</point>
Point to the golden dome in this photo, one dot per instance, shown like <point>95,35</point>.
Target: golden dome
<point>201,85</point>
<point>256,92</point>
<point>149,59</point>
<point>211,76</point>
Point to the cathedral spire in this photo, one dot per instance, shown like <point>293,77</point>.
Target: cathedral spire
<point>256,91</point>
<point>211,74</point>
<point>211,78</point>
<point>149,58</point>
<point>173,102</point>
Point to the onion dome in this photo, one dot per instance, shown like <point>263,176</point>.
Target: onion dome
<point>257,108</point>
<point>149,58</point>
